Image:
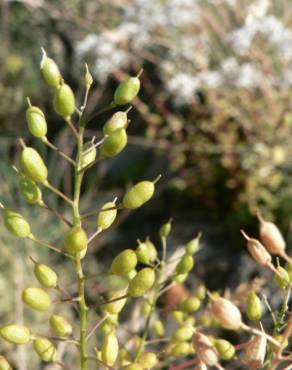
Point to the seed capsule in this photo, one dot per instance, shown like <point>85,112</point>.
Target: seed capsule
<point>4,364</point>
<point>36,298</point>
<point>225,349</point>
<point>75,240</point>
<point>88,80</point>
<point>33,166</point>
<point>271,237</point>
<point>183,334</point>
<point>165,230</point>
<point>142,253</point>
<point>180,278</point>
<point>118,121</point>
<point>151,250</point>
<point>45,349</point>
<point>114,143</point>
<point>142,282</point>
<point>16,224</point>
<point>15,334</point>
<point>158,328</point>
<point>282,278</point>
<point>190,305</point>
<point>36,121</point>
<point>185,265</point>
<point>64,101</point>
<point>147,360</point>
<point>181,349</point>
<point>178,316</point>
<point>205,350</point>
<point>45,275</point>
<point>124,357</point>
<point>255,352</point>
<point>201,366</point>
<point>201,292</point>
<point>110,349</point>
<point>280,338</point>
<point>226,313</point>
<point>60,326</point>
<point>124,262</point>
<point>106,218</point>
<point>193,246</point>
<point>116,306</point>
<point>138,194</point>
<point>127,91</point>
<point>29,190</point>
<point>89,154</point>
<point>254,308</point>
<point>258,251</point>
<point>50,71</point>
<point>132,367</point>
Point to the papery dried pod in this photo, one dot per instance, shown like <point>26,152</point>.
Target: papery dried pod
<point>201,366</point>
<point>127,91</point>
<point>16,224</point>
<point>45,275</point>
<point>29,190</point>
<point>226,313</point>
<point>117,121</point>
<point>4,364</point>
<point>45,349</point>
<point>142,282</point>
<point>258,251</point>
<point>107,215</point>
<point>60,326</point>
<point>114,143</point>
<point>139,194</point>
<point>271,237</point>
<point>64,101</point>
<point>75,240</point>
<point>15,334</point>
<point>36,121</point>
<point>282,277</point>
<point>124,262</point>
<point>32,165</point>
<point>255,352</point>
<point>36,298</point>
<point>50,71</point>
<point>205,350</point>
<point>110,348</point>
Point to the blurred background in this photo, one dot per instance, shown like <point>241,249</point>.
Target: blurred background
<point>214,117</point>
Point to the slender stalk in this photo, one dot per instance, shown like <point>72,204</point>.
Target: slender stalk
<point>56,149</point>
<point>58,192</point>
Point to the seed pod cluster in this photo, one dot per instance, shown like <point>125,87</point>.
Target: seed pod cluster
<point>138,194</point>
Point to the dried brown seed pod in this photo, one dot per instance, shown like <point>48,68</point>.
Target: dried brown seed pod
<point>258,251</point>
<point>226,313</point>
<point>255,352</point>
<point>205,350</point>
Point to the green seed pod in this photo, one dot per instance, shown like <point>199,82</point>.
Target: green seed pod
<point>89,154</point>
<point>45,275</point>
<point>60,326</point>
<point>138,194</point>
<point>132,274</point>
<point>142,282</point>
<point>117,121</point>
<point>181,349</point>
<point>124,358</point>
<point>36,298</point>
<point>127,91</point>
<point>151,250</point>
<point>50,71</point>
<point>117,306</point>
<point>180,278</point>
<point>124,262</point>
<point>132,367</point>
<point>106,218</point>
<point>165,229</point>
<point>178,316</point>
<point>147,308</point>
<point>142,253</point>
<point>225,349</point>
<point>190,305</point>
<point>4,364</point>
<point>107,327</point>
<point>110,349</point>
<point>194,245</point>
<point>64,101</point>
<point>75,240</point>
<point>147,360</point>
<point>45,349</point>
<point>158,328</point>
<point>33,166</point>
<point>15,334</point>
<point>88,80</point>
<point>114,143</point>
<point>16,224</point>
<point>201,292</point>
<point>254,308</point>
<point>183,334</point>
<point>29,190</point>
<point>36,121</point>
<point>282,278</point>
<point>185,265</point>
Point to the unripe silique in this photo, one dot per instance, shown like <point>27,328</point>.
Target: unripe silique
<point>16,224</point>
<point>118,121</point>
<point>75,240</point>
<point>45,349</point>
<point>15,334</point>
<point>36,298</point>
<point>107,215</point>
<point>138,194</point>
<point>181,349</point>
<point>45,275</point>
<point>32,165</point>
<point>64,101</point>
<point>158,328</point>
<point>50,72</point>
<point>147,360</point>
<point>193,246</point>
<point>110,348</point>
<point>89,154</point>
<point>29,190</point>
<point>124,262</point>
<point>190,304</point>
<point>36,121</point>
<point>142,253</point>
<point>165,229</point>
<point>142,282</point>
<point>4,364</point>
<point>116,306</point>
<point>60,326</point>
<point>225,349</point>
<point>185,265</point>
<point>114,143</point>
<point>254,308</point>
<point>127,91</point>
<point>282,277</point>
<point>184,333</point>
<point>151,250</point>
